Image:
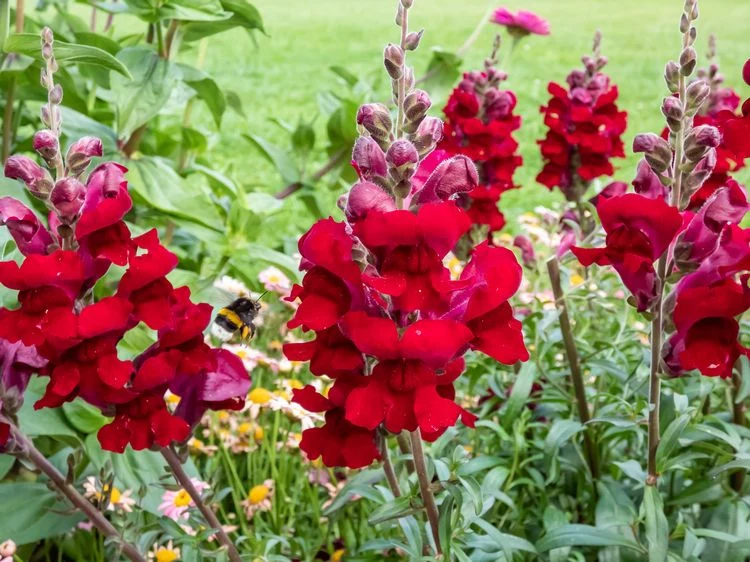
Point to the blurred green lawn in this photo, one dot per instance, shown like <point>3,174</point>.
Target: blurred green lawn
<point>282,74</point>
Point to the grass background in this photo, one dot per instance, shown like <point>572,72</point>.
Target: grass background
<point>281,74</point>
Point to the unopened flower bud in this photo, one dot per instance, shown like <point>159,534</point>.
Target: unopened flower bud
<point>369,159</point>
<point>688,57</point>
<point>408,79</point>
<point>694,12</point>
<point>601,62</point>
<point>402,155</point>
<point>56,94</point>
<point>393,57</point>
<point>407,3</point>
<point>48,38</point>
<point>37,180</point>
<point>498,104</point>
<point>47,52</point>
<point>413,39</point>
<point>692,35</point>
<point>67,198</point>
<point>429,133</point>
<point>684,23</point>
<point>528,256</point>
<point>672,109</point>
<point>696,95</point>
<point>671,76</point>
<point>746,72</point>
<point>656,151</point>
<point>80,154</point>
<point>399,14</point>
<point>416,105</point>
<point>46,144</point>
<point>364,197</point>
<point>700,173</point>
<point>376,119</point>
<point>589,63</point>
<point>453,176</point>
<point>8,549</point>
<point>700,140</point>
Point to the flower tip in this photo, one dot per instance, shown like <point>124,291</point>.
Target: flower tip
<point>746,72</point>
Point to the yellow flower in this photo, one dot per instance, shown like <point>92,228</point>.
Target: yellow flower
<point>282,394</point>
<point>338,555</point>
<point>258,494</point>
<point>172,398</point>
<point>259,433</point>
<point>245,427</point>
<point>182,499</point>
<point>295,384</point>
<point>275,345</point>
<point>576,280</point>
<point>223,416</point>
<point>115,496</point>
<point>259,396</point>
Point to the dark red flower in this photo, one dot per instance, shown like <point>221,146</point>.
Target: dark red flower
<point>324,300</point>
<point>639,230</point>
<point>23,225</point>
<point>330,353</point>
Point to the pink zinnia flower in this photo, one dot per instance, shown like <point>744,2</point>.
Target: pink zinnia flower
<point>522,23</point>
<point>176,503</point>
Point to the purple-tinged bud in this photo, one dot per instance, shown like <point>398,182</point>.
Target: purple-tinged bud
<point>700,140</point>
<point>528,256</point>
<point>589,63</point>
<point>407,3</point>
<point>364,197</point>
<point>413,39</point>
<point>408,79</point>
<point>671,76</point>
<point>48,38</point>
<point>655,149</point>
<point>692,35</point>
<point>46,144</point>
<point>700,173</point>
<point>746,72</point>
<point>80,154</point>
<point>684,23</point>
<point>47,52</point>
<point>376,119</point>
<point>601,62</point>
<point>498,104</point>
<point>402,154</point>
<point>56,94</point>
<point>688,58</point>
<point>647,183</point>
<point>576,78</point>
<point>67,198</point>
<point>696,94</point>
<point>37,180</point>
<point>457,175</point>
<point>416,105</point>
<point>671,107</point>
<point>368,159</point>
<point>428,135</point>
<point>393,57</point>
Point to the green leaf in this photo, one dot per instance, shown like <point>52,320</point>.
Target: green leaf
<point>504,541</point>
<point>303,138</point>
<point>740,462</point>
<point>186,10</point>
<point>28,44</point>
<point>207,90</point>
<point>251,252</point>
<point>47,422</point>
<point>139,100</point>
<point>520,393</point>
<point>479,464</point>
<point>278,157</point>
<point>32,512</point>
<point>443,69</point>
<point>395,509</point>
<point>657,528</point>
<point>583,535</point>
<point>360,484</point>
<point>560,432</point>
<point>96,40</point>
<point>6,463</point>
<point>235,103</point>
<point>244,15</point>
<point>76,125</point>
<point>669,439</point>
<point>83,417</point>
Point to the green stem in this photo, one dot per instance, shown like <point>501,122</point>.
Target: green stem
<point>390,473</point>
<point>10,94</point>
<point>738,417</point>
<point>402,80</point>
<point>425,490</point>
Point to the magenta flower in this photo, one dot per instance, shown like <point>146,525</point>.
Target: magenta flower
<point>522,23</point>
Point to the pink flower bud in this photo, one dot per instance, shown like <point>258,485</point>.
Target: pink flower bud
<point>108,180</point>
<point>46,144</point>
<point>67,198</point>
<point>429,133</point>
<point>401,154</point>
<point>656,151</point>
<point>688,58</point>
<point>528,256</point>
<point>577,78</point>
<point>393,57</point>
<point>498,104</point>
<point>701,139</point>
<point>368,159</point>
<point>376,119</point>
<point>671,76</point>
<point>80,154</point>
<point>701,172</point>
<point>8,549</point>
<point>647,183</point>
<point>364,197</point>
<point>416,105</point>
<point>413,39</point>
<point>37,180</point>
<point>56,94</point>
<point>452,176</point>
<point>746,72</point>
<point>696,94</point>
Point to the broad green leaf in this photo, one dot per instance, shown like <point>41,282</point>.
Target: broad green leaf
<point>206,90</point>
<point>76,125</point>
<point>139,100</point>
<point>244,15</point>
<point>251,252</point>
<point>583,535</point>
<point>443,70</point>
<point>479,464</point>
<point>32,512</point>
<point>278,157</point>
<point>83,417</point>
<point>97,40</point>
<point>47,422</point>
<point>6,463</point>
<point>657,528</point>
<point>186,10</point>
<point>28,44</point>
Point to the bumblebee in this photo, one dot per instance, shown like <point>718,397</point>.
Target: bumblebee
<point>237,318</point>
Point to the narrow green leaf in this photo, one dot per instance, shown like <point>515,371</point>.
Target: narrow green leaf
<point>669,439</point>
<point>657,528</point>
<point>583,535</point>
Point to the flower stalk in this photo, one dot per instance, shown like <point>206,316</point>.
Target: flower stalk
<point>390,473</point>
<point>33,455</point>
<point>571,353</point>
<point>184,480</point>
<point>425,489</point>
<point>10,92</point>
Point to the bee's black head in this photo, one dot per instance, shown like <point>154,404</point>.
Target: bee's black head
<point>244,305</point>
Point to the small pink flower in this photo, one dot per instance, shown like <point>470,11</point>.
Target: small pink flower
<point>7,550</point>
<point>522,23</point>
<point>274,280</point>
<point>176,503</point>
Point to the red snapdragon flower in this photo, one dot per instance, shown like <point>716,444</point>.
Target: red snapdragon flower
<point>639,230</point>
<point>585,132</point>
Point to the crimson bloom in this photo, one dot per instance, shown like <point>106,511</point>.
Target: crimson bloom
<point>639,230</point>
<point>521,23</point>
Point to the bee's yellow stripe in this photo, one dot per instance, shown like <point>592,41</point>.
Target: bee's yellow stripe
<point>231,316</point>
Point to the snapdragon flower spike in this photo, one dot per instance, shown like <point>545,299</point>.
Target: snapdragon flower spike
<point>639,230</point>
<point>479,124</point>
<point>585,129</point>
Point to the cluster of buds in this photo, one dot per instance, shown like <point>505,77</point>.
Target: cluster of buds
<point>59,186</point>
<point>390,154</point>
